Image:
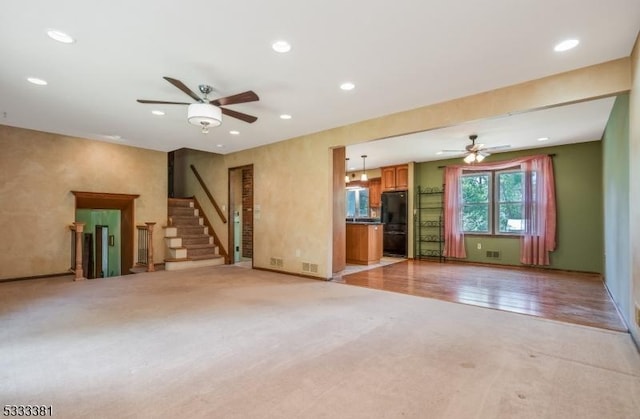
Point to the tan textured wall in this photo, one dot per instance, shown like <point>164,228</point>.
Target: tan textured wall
<point>634,184</point>
<point>39,170</point>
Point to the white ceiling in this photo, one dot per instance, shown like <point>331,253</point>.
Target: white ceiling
<point>400,56</point>
<point>575,123</point>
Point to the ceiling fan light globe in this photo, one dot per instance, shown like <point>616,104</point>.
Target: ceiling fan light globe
<point>470,158</point>
<point>479,157</point>
<point>205,115</point>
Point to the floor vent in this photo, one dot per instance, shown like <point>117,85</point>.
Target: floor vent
<point>493,254</point>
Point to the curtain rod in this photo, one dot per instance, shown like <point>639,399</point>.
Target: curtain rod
<point>550,155</point>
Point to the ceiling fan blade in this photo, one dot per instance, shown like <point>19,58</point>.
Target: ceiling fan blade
<point>180,85</point>
<point>498,147</point>
<point>161,102</point>
<point>239,115</point>
<point>484,153</point>
<point>248,96</point>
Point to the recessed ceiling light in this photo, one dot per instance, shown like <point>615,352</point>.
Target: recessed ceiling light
<point>159,113</point>
<point>285,116</point>
<point>60,36</point>
<point>37,81</point>
<point>220,145</point>
<point>440,152</point>
<point>234,132</point>
<point>347,86</point>
<point>543,138</point>
<point>281,46</point>
<point>566,45</point>
<point>114,137</point>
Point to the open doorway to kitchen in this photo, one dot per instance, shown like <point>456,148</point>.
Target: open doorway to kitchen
<point>241,215</point>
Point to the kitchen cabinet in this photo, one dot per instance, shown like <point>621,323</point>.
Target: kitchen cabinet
<point>364,243</point>
<point>395,178</point>
<point>375,192</point>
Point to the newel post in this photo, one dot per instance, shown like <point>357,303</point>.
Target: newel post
<point>150,266</point>
<point>79,241</point>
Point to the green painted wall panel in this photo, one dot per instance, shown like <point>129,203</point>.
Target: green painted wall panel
<point>617,239</point>
<point>578,175</point>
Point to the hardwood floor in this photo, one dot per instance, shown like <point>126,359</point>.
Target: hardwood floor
<point>569,297</point>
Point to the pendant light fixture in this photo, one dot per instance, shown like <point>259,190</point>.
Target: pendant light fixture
<point>346,168</point>
<point>364,177</point>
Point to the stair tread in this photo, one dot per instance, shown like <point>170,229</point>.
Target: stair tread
<point>199,246</point>
<point>199,257</point>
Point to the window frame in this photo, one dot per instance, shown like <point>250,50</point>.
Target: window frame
<point>494,203</point>
<point>488,204</point>
<point>357,191</point>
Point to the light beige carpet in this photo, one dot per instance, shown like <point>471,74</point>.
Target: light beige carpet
<point>228,342</point>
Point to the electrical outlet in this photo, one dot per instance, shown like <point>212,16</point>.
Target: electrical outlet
<point>479,246</point>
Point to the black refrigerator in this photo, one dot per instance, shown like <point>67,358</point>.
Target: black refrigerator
<point>394,218</point>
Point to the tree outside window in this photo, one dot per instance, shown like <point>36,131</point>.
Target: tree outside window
<point>493,210</point>
<point>476,193</point>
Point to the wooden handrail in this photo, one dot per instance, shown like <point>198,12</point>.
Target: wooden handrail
<point>206,190</point>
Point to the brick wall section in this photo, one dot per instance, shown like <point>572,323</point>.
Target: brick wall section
<point>247,212</point>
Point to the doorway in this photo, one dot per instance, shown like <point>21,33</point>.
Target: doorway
<point>241,215</point>
<point>123,204</point>
<point>103,241</point>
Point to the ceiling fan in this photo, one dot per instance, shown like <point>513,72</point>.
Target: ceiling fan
<point>476,152</point>
<point>208,113</point>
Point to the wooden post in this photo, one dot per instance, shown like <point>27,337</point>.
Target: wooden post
<point>79,272</point>
<point>150,266</point>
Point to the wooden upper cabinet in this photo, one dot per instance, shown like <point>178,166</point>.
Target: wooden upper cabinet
<point>388,178</point>
<point>395,178</point>
<point>375,192</point>
<point>402,177</point>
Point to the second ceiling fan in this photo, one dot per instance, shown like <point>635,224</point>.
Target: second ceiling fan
<point>476,152</point>
<point>208,113</point>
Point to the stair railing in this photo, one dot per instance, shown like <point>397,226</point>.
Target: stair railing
<point>76,250</point>
<point>145,246</point>
<point>206,191</point>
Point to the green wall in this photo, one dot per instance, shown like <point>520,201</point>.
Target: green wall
<point>615,150</point>
<point>111,218</point>
<point>579,238</point>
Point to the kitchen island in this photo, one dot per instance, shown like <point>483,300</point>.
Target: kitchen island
<point>364,242</point>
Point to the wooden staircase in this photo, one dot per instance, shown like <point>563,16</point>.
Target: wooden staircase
<point>187,239</point>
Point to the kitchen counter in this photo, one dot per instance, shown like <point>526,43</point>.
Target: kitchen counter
<point>364,242</point>
<point>364,222</point>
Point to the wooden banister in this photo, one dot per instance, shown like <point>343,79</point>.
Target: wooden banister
<point>145,245</point>
<point>206,190</point>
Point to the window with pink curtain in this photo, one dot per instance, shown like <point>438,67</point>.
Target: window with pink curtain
<point>539,236</point>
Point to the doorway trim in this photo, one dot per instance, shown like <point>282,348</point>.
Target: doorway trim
<point>232,200</point>
<point>122,202</point>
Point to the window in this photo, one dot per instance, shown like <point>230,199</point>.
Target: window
<point>357,202</point>
<point>476,197</point>
<point>493,202</point>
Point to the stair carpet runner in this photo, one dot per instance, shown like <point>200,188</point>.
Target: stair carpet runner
<point>187,240</point>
